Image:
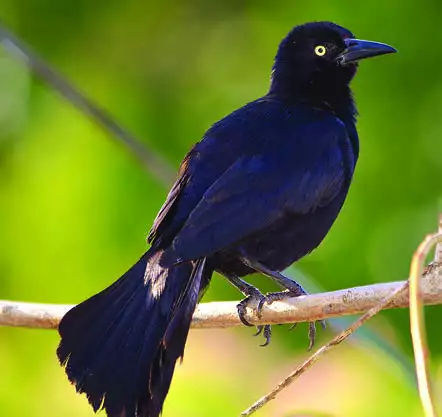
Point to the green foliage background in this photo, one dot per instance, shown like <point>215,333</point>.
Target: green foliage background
<point>75,208</point>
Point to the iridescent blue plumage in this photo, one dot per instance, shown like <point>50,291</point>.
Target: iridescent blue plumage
<point>273,161</point>
<point>258,192</point>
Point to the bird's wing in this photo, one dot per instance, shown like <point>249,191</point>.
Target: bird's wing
<point>165,215</point>
<point>302,174</point>
<point>225,142</point>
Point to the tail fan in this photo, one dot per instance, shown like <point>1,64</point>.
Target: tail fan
<point>121,345</point>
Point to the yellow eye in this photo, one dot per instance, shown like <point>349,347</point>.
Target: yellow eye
<point>320,50</point>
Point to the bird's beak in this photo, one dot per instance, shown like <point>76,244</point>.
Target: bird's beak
<point>357,49</point>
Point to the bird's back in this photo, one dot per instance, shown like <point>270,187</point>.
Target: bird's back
<point>274,158</point>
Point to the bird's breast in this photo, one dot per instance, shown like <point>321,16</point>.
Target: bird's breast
<point>293,236</point>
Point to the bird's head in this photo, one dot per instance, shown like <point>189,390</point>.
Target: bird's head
<point>318,59</point>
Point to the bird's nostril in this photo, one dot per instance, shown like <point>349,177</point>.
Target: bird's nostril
<point>350,42</point>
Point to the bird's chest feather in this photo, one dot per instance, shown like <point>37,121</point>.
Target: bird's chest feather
<point>294,234</point>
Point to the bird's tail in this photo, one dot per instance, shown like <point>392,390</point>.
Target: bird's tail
<point>121,345</point>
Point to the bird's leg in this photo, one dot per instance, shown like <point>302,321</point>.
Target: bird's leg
<point>292,288</point>
<point>253,295</point>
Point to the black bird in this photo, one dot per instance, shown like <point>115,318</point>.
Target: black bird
<point>258,192</point>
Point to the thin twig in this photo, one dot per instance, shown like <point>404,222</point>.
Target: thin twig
<point>416,299</point>
<point>223,314</point>
<point>417,322</point>
<point>438,251</point>
<point>322,351</point>
<point>151,161</point>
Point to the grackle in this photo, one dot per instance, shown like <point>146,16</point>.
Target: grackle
<point>258,192</point>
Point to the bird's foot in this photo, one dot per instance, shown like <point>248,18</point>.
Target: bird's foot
<point>254,297</point>
<point>266,330</point>
<point>277,296</point>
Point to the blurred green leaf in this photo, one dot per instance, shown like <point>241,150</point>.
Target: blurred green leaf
<point>75,209</point>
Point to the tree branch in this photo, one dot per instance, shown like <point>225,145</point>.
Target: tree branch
<point>150,160</point>
<point>337,340</point>
<point>417,322</point>
<point>223,314</point>
<point>438,251</point>
<point>412,287</point>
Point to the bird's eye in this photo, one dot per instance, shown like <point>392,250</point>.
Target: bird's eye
<point>320,50</point>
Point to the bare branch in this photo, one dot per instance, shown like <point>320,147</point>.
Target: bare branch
<point>151,161</point>
<point>438,252</point>
<point>323,350</point>
<point>417,296</point>
<point>417,322</point>
<point>223,314</point>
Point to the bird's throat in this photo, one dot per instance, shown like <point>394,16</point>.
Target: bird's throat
<point>337,98</point>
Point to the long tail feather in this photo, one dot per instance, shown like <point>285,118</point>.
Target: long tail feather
<point>120,346</point>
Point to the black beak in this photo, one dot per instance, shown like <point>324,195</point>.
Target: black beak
<point>357,49</point>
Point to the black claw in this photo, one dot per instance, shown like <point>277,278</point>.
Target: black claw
<point>276,296</point>
<point>269,299</point>
<point>259,330</point>
<point>253,295</point>
<point>241,309</point>
<point>267,335</point>
<point>260,306</point>
<point>293,326</point>
<point>266,330</point>
<point>311,334</point>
